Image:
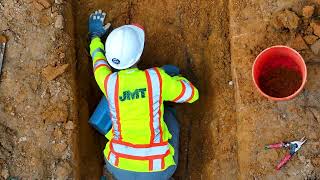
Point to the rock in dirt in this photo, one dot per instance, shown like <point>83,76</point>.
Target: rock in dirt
<point>316,28</point>
<point>42,4</point>
<point>51,73</point>
<point>310,39</point>
<point>298,43</point>
<point>316,47</point>
<point>59,24</point>
<point>69,125</point>
<point>58,1</point>
<point>63,171</point>
<point>22,139</point>
<point>308,11</point>
<point>285,19</point>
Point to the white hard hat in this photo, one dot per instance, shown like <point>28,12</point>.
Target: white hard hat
<point>124,46</point>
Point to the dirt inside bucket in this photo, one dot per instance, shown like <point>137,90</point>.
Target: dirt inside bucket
<point>280,82</point>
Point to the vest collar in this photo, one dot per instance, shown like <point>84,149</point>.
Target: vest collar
<point>130,70</point>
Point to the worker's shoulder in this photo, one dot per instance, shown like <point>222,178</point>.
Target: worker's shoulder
<point>155,70</point>
<point>139,72</point>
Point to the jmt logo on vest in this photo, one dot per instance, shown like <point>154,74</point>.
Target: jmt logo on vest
<point>138,93</point>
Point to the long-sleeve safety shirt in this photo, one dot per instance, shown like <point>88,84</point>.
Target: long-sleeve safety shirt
<point>139,135</point>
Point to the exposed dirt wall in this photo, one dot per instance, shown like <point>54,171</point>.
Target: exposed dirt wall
<point>90,142</point>
<point>37,111</point>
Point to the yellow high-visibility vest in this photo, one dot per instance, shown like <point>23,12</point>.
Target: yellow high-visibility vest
<point>139,136</point>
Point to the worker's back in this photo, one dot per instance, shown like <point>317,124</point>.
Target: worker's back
<point>139,135</point>
<point>134,99</point>
<point>136,104</point>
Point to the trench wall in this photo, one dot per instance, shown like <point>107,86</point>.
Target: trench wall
<point>194,36</point>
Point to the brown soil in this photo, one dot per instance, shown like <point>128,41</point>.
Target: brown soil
<point>36,140</point>
<point>316,28</point>
<point>260,121</point>
<point>47,89</point>
<point>308,11</point>
<point>280,82</point>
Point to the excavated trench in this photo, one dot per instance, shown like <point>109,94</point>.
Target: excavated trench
<point>223,134</point>
<point>44,121</point>
<point>192,35</point>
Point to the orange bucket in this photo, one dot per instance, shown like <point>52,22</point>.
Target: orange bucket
<point>279,73</point>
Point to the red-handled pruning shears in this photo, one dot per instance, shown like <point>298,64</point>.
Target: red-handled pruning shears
<point>293,146</point>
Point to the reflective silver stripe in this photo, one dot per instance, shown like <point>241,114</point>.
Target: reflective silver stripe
<point>112,159</point>
<point>94,53</point>
<point>155,83</point>
<point>100,62</point>
<point>156,164</point>
<point>187,94</point>
<point>140,152</point>
<point>111,90</point>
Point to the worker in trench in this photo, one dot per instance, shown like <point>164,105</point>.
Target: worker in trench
<point>144,139</point>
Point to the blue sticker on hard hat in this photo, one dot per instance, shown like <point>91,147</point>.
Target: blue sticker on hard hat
<point>116,61</point>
